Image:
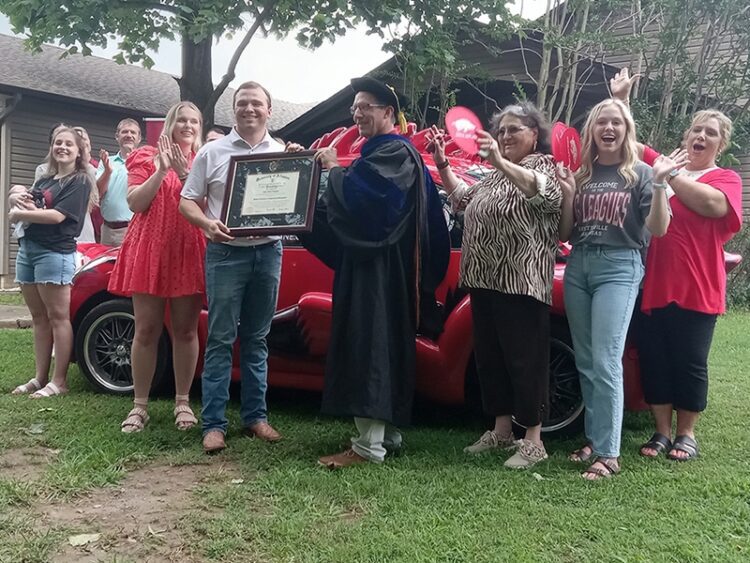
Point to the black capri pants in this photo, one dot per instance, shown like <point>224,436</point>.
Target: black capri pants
<point>511,350</point>
<point>673,345</point>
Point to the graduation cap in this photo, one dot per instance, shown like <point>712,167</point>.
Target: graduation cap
<point>384,94</point>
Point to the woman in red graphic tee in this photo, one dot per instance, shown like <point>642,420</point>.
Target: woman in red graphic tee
<point>161,259</point>
<point>685,286</point>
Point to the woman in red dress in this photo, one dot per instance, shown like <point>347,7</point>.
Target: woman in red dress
<point>160,261</point>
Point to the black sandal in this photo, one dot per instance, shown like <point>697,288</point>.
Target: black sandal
<point>609,468</point>
<point>659,443</point>
<point>684,443</point>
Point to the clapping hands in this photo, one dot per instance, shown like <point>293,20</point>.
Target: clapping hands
<point>170,155</point>
<point>663,165</point>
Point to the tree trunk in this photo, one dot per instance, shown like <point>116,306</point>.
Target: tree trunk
<point>196,84</point>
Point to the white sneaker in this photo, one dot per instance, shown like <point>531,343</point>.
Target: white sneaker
<point>527,455</point>
<point>490,441</point>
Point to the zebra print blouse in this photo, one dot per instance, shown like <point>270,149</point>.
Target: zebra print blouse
<point>510,240</point>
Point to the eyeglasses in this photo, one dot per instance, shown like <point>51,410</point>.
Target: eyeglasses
<point>512,131</point>
<point>364,108</point>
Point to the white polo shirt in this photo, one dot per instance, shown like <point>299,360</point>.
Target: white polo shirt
<point>208,175</point>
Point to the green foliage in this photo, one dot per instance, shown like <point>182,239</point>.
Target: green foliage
<point>738,280</point>
<point>429,30</point>
<point>697,59</point>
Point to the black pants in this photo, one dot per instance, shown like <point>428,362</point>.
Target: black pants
<point>511,349</point>
<point>673,345</point>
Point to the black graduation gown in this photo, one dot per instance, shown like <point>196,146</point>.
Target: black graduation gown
<point>366,229</point>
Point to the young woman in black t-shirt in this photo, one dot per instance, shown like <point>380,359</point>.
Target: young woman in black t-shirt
<point>53,211</point>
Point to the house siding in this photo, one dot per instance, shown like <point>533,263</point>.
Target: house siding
<point>28,130</point>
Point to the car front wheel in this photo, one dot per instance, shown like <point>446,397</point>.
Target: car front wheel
<point>563,414</point>
<point>103,344</point>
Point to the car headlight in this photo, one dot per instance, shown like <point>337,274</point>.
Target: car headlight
<point>88,265</point>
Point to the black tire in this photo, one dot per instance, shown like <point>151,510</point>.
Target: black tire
<point>102,347</point>
<point>564,412</point>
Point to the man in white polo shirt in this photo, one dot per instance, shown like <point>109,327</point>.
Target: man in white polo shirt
<point>112,183</point>
<point>242,275</point>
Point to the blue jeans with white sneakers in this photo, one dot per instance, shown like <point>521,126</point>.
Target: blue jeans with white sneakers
<point>600,288</point>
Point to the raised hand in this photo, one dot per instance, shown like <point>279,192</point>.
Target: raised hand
<point>179,161</point>
<point>621,84</point>
<point>164,156</point>
<point>436,144</point>
<point>104,159</point>
<point>488,145</point>
<point>567,181</point>
<point>663,165</point>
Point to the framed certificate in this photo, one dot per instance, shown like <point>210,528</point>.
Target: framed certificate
<point>271,193</point>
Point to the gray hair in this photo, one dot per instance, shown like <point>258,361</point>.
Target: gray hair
<point>532,117</point>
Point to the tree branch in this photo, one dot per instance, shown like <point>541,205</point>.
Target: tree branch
<point>230,74</point>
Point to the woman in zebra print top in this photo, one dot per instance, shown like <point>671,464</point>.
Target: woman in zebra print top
<point>509,244</point>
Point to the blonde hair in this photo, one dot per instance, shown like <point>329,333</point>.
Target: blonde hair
<point>82,166</point>
<point>725,125</point>
<point>589,153</point>
<point>171,120</point>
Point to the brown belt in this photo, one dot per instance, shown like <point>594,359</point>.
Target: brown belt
<point>117,224</point>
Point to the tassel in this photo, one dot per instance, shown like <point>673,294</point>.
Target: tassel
<point>402,125</point>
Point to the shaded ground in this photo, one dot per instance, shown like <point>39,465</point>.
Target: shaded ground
<point>25,464</point>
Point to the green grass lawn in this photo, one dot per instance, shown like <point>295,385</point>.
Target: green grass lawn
<point>11,298</point>
<point>432,504</point>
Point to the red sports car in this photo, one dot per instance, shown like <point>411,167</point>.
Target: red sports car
<point>104,325</point>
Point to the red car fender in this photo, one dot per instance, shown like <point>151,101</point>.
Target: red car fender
<point>447,359</point>
<point>315,314</point>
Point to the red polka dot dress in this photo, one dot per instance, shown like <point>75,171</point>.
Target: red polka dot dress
<point>162,254</point>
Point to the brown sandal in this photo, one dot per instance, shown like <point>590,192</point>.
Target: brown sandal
<point>136,421</point>
<point>607,468</point>
<point>582,454</point>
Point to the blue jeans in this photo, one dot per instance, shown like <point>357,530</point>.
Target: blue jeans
<point>38,264</point>
<point>242,286</point>
<point>600,288</point>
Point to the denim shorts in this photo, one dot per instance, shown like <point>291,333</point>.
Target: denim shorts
<point>37,264</point>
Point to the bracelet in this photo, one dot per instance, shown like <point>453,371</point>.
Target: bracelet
<point>441,165</point>
<point>661,186</point>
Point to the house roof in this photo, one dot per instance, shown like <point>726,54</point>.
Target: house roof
<point>102,81</point>
<point>333,111</point>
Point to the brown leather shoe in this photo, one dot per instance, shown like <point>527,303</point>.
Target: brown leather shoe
<point>213,442</point>
<point>343,459</point>
<point>263,431</point>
